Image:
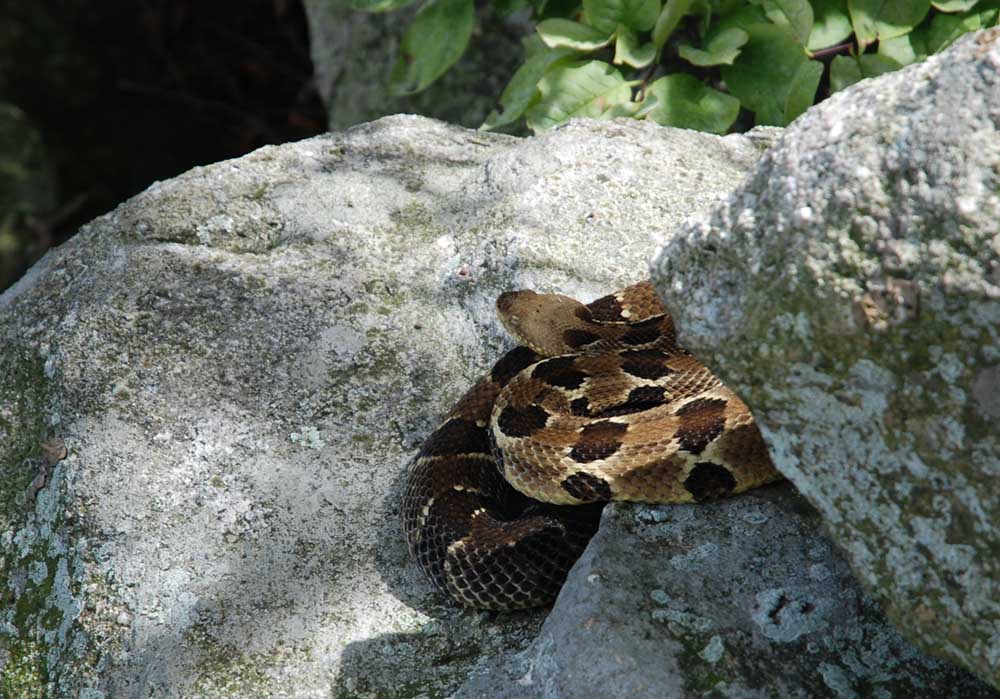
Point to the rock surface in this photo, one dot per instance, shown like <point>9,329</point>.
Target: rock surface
<point>744,597</point>
<point>850,292</point>
<point>241,362</point>
<point>353,54</point>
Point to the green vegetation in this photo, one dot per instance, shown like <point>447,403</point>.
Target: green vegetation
<point>698,64</point>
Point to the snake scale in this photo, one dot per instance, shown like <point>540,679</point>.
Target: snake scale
<point>597,403</point>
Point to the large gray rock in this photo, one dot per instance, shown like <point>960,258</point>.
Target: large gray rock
<point>850,292</point>
<point>241,362</point>
<point>744,597</point>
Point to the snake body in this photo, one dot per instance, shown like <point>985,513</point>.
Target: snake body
<point>597,403</point>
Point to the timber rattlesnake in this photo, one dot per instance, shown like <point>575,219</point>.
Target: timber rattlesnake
<point>598,403</point>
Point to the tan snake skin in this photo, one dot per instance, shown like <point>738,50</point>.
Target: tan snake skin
<point>598,403</point>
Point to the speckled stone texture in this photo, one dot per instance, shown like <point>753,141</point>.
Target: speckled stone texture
<point>850,292</point>
<point>243,360</point>
<point>744,598</point>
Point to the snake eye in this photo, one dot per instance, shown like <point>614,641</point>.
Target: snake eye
<point>505,301</point>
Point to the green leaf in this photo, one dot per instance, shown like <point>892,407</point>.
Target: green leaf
<point>954,5</point>
<point>378,5</point>
<point>725,7</point>
<point>522,89</point>
<point>683,101</point>
<point>703,9</point>
<point>873,65</point>
<point>831,24</point>
<point>648,103</point>
<point>768,76</point>
<point>741,18</point>
<point>844,71</point>
<point>945,29</point>
<point>622,109</point>
<point>606,15</point>
<point>723,48</point>
<point>989,13</point>
<point>905,49</point>
<point>799,14</point>
<point>847,70</point>
<point>435,39</point>
<point>802,90</point>
<point>628,51</point>
<point>588,89</point>
<point>670,16</point>
<point>564,33</point>
<point>885,19</point>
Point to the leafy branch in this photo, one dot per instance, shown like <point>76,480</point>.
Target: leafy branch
<point>696,64</point>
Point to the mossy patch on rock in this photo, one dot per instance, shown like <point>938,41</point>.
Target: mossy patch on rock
<point>25,395</point>
<point>24,674</point>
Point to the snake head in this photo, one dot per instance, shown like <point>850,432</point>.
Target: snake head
<point>541,321</point>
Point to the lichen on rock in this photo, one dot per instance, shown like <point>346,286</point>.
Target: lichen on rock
<point>850,292</point>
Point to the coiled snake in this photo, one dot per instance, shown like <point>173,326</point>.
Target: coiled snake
<point>598,403</point>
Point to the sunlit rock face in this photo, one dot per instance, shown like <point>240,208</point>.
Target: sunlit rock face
<point>850,292</point>
<point>242,361</point>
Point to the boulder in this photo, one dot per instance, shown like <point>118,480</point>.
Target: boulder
<point>850,292</point>
<point>744,597</point>
<point>209,397</point>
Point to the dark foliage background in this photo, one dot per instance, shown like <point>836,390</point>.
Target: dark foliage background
<point>100,99</point>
